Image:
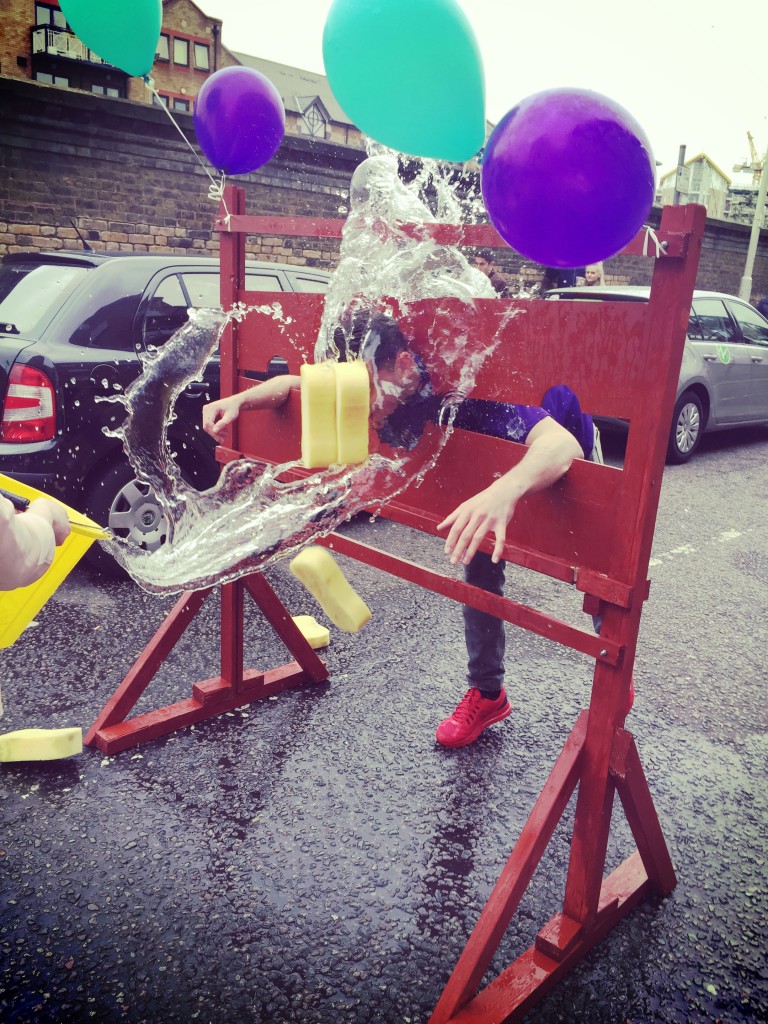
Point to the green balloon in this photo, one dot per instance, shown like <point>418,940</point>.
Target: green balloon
<point>122,33</point>
<point>409,74</point>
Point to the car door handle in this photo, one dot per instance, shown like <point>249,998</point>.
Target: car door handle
<point>709,358</point>
<point>756,359</point>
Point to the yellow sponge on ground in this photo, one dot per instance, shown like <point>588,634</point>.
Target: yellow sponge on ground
<point>316,568</point>
<point>318,415</point>
<point>40,744</point>
<point>353,399</point>
<point>316,635</point>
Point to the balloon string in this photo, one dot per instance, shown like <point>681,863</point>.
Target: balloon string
<point>650,235</point>
<point>216,188</point>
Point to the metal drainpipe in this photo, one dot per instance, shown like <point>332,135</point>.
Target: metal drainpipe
<point>215,47</point>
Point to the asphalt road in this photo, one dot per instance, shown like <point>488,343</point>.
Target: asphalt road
<point>317,858</point>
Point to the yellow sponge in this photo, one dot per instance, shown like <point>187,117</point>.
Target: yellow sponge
<point>316,568</point>
<point>335,400</point>
<point>40,744</point>
<point>353,399</point>
<point>318,415</point>
<point>316,635</point>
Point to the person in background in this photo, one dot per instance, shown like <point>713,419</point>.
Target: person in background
<point>28,540</point>
<point>593,274</point>
<point>760,302</point>
<point>483,260</point>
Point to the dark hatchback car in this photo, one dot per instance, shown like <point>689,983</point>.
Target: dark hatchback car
<point>72,327</point>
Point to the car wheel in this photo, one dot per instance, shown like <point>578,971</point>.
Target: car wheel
<point>129,509</point>
<point>687,427</point>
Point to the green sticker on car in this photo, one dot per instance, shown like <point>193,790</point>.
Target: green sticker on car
<point>724,354</point>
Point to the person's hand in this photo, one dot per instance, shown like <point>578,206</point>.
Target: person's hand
<point>487,512</point>
<point>217,416</point>
<point>54,514</point>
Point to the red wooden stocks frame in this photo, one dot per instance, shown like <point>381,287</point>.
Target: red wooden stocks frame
<point>593,530</point>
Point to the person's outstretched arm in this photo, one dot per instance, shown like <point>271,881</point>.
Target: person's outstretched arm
<point>217,416</point>
<point>551,450</point>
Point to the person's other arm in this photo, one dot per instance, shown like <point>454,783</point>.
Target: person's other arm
<point>551,450</point>
<point>28,541</point>
<point>217,416</point>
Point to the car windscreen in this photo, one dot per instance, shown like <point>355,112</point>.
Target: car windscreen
<point>30,291</point>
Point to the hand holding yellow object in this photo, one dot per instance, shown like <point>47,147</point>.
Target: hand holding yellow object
<point>18,607</point>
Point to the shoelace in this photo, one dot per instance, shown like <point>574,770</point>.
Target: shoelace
<point>468,706</point>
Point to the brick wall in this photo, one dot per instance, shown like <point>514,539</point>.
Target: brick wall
<point>122,172</point>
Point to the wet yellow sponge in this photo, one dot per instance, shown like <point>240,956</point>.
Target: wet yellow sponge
<point>40,744</point>
<point>335,400</point>
<point>318,415</point>
<point>353,399</point>
<point>317,570</point>
<point>317,636</point>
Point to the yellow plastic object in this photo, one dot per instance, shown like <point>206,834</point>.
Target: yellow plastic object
<point>335,399</point>
<point>40,744</point>
<point>316,568</point>
<point>317,636</point>
<point>353,399</point>
<point>318,415</point>
<point>18,607</point>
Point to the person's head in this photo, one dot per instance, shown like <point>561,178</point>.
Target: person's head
<point>593,274</point>
<point>395,375</point>
<point>483,260</point>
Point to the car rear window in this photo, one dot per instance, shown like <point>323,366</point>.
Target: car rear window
<point>30,291</point>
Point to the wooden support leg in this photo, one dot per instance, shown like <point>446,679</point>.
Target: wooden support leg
<point>564,940</point>
<point>635,796</point>
<point>514,878</point>
<point>113,732</point>
<point>149,661</point>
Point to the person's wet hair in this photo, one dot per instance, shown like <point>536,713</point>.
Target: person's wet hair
<point>369,335</point>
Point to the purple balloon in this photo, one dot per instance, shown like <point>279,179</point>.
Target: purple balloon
<point>568,177</point>
<point>239,119</point>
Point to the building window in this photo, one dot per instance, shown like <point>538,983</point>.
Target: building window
<point>47,15</point>
<point>178,104</point>
<point>159,100</point>
<point>313,122</point>
<point>42,76</point>
<point>202,56</point>
<point>105,90</point>
<point>163,50</point>
<point>181,51</point>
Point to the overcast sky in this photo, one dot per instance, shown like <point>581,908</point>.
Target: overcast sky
<point>692,72</point>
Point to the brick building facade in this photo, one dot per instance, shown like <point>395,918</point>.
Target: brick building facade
<point>119,170</point>
<point>37,44</point>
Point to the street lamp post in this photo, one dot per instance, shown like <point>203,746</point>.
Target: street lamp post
<point>745,288</point>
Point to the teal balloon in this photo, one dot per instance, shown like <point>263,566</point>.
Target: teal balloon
<point>409,74</point>
<point>120,32</point>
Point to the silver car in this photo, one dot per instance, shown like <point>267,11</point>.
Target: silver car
<point>724,373</point>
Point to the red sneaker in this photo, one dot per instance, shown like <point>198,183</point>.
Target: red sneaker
<point>473,714</point>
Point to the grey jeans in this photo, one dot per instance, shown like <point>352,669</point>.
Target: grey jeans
<point>484,633</point>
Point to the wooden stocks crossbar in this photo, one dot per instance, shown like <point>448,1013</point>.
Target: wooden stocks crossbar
<point>593,530</point>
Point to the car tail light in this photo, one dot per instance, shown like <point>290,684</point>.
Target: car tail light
<point>29,412</point>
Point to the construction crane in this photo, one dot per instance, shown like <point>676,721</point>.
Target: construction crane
<point>755,165</point>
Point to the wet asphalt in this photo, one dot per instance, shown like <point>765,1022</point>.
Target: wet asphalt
<point>317,858</point>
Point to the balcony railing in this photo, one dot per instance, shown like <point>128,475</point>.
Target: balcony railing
<point>57,42</point>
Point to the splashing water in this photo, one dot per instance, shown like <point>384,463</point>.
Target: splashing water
<point>251,517</point>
